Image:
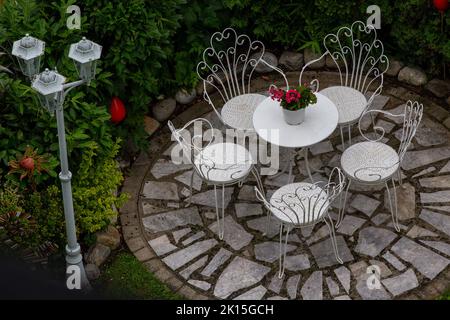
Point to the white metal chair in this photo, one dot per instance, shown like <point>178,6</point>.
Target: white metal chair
<point>360,60</point>
<point>227,66</point>
<point>373,162</point>
<point>298,205</point>
<point>216,163</point>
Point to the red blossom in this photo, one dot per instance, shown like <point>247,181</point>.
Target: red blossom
<point>292,96</point>
<point>276,94</point>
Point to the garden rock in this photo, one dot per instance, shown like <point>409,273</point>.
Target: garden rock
<point>394,67</point>
<point>439,88</point>
<point>269,57</point>
<point>110,237</point>
<point>164,109</point>
<point>98,254</point>
<point>150,125</point>
<point>310,55</point>
<point>292,60</point>
<point>412,76</point>
<point>185,97</point>
<point>92,271</point>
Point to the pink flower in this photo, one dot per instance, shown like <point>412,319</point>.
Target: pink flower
<point>292,96</point>
<point>276,94</point>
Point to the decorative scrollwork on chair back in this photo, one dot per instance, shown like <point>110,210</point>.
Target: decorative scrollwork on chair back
<point>204,165</point>
<point>228,63</point>
<point>358,55</point>
<point>308,202</point>
<point>412,116</point>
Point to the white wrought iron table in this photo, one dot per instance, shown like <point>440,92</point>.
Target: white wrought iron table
<point>320,121</point>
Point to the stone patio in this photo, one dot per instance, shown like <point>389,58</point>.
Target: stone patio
<point>180,245</point>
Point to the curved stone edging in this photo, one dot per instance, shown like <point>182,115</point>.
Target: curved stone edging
<point>135,236</point>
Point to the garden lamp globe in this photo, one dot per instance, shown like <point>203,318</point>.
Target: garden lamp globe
<point>85,54</point>
<point>49,85</point>
<point>28,51</point>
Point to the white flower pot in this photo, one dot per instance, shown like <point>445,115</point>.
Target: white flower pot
<point>294,118</point>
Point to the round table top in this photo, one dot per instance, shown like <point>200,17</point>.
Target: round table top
<point>320,121</point>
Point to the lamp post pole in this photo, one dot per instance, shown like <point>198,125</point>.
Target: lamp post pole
<point>73,250</point>
<point>52,89</point>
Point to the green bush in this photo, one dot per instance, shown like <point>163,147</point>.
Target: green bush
<point>138,48</point>
<point>93,190</point>
<point>23,122</point>
<point>410,29</point>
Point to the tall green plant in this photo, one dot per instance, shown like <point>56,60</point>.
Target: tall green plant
<point>138,49</point>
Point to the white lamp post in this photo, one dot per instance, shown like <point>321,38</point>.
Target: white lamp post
<point>52,90</point>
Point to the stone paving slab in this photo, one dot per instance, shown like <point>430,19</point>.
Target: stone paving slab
<point>240,273</point>
<point>172,219</point>
<point>427,262</point>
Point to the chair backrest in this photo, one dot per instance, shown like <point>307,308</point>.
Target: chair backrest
<point>192,144</point>
<point>229,62</point>
<point>412,116</point>
<point>206,166</point>
<point>307,202</point>
<point>411,121</point>
<point>359,56</point>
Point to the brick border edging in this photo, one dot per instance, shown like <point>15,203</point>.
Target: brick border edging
<point>134,238</point>
<point>133,233</point>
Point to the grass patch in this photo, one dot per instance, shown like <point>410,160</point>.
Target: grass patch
<point>445,295</point>
<point>127,278</point>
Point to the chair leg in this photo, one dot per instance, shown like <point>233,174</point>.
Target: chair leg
<point>342,138</point>
<point>349,135</point>
<point>308,170</point>
<point>261,188</point>
<point>393,211</point>
<point>397,227</point>
<point>343,197</point>
<point>400,180</point>
<point>329,222</point>
<point>220,224</point>
<point>283,250</point>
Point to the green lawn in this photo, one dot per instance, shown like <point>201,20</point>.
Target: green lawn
<point>127,278</point>
<point>445,295</point>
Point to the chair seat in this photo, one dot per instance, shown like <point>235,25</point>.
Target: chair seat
<point>299,203</point>
<point>223,163</point>
<point>370,161</point>
<point>238,111</point>
<point>349,102</point>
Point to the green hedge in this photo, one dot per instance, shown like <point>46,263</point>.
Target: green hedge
<point>151,47</point>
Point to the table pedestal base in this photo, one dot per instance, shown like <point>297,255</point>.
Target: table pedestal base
<point>290,164</point>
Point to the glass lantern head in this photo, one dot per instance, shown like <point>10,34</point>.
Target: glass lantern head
<point>49,85</point>
<point>28,51</point>
<point>85,54</point>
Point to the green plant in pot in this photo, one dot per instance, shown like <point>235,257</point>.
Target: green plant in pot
<point>294,102</point>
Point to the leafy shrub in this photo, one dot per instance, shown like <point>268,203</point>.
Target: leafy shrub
<point>300,23</point>
<point>93,190</point>
<point>23,123</point>
<point>43,215</point>
<point>138,49</point>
